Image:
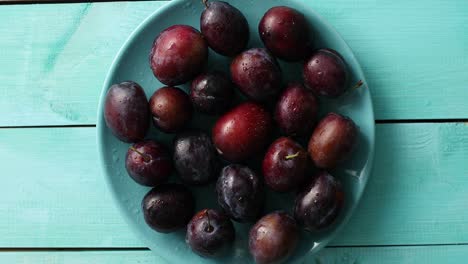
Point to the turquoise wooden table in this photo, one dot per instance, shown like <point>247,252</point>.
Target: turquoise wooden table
<point>54,204</point>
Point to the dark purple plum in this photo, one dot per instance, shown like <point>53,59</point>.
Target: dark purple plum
<point>168,207</point>
<point>257,74</point>
<point>212,93</point>
<point>242,132</point>
<point>285,33</point>
<point>224,27</point>
<point>148,163</point>
<point>171,109</point>
<point>126,111</point>
<point>285,165</point>
<point>195,158</point>
<point>325,73</point>
<point>332,141</point>
<point>318,205</point>
<point>273,238</point>
<point>240,193</point>
<point>296,111</point>
<point>210,233</point>
<point>178,54</point>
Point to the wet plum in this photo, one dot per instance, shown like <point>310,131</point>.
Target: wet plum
<point>285,33</point>
<point>126,111</point>
<point>171,109</point>
<point>195,158</point>
<point>257,74</point>
<point>284,165</point>
<point>240,193</point>
<point>210,233</point>
<point>273,238</point>
<point>242,132</point>
<point>168,207</point>
<point>325,73</point>
<point>148,163</point>
<point>296,111</point>
<point>319,203</point>
<point>178,54</point>
<point>212,93</point>
<point>224,27</point>
<point>332,141</point>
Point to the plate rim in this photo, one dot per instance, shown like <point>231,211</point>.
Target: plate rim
<point>367,170</point>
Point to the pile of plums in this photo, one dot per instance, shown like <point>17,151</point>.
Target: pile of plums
<point>242,132</point>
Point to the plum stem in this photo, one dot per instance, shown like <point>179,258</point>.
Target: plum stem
<point>358,84</point>
<point>292,156</point>
<point>209,228</point>
<point>205,2</point>
<point>146,158</point>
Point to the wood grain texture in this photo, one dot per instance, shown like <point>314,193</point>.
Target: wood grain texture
<point>54,195</point>
<point>55,58</point>
<point>454,254</point>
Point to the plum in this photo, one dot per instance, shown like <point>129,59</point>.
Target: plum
<point>178,54</point>
<point>273,238</point>
<point>224,27</point>
<point>285,165</point>
<point>285,33</point>
<point>257,74</point>
<point>171,109</point>
<point>168,207</point>
<point>332,141</point>
<point>242,132</point>
<point>148,163</point>
<point>195,158</point>
<point>240,193</point>
<point>296,111</point>
<point>325,72</point>
<point>318,205</point>
<point>212,93</point>
<point>210,233</point>
<point>126,111</point>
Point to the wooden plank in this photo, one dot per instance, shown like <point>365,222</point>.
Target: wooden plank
<point>86,257</point>
<point>386,255</point>
<point>54,59</point>
<point>417,190</point>
<point>53,193</point>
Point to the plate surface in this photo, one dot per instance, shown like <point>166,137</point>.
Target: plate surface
<point>131,63</point>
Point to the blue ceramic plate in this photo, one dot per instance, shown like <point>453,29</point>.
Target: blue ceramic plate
<point>131,63</point>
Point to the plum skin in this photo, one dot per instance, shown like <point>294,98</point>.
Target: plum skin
<point>178,54</point>
<point>148,163</point>
<point>195,158</point>
<point>285,33</point>
<point>273,238</point>
<point>296,111</point>
<point>242,132</point>
<point>325,72</point>
<point>285,165</point>
<point>126,111</point>
<point>210,233</point>
<point>212,93</point>
<point>168,207</point>
<point>257,74</point>
<point>224,27</point>
<point>240,193</point>
<point>318,205</point>
<point>332,141</point>
<point>171,109</point>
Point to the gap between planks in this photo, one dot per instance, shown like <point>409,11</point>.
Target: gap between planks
<point>384,121</point>
<point>79,249</point>
<point>29,2</point>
